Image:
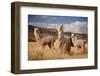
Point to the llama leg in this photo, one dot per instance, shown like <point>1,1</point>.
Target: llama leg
<point>49,45</point>
<point>77,48</point>
<point>69,49</point>
<point>52,45</point>
<point>42,46</point>
<point>83,49</point>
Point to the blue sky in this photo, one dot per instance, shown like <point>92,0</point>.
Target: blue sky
<point>71,23</point>
<point>55,19</point>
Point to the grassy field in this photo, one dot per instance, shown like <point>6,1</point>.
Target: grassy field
<point>36,52</point>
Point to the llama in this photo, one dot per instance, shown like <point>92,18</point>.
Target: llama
<point>62,44</point>
<point>78,43</point>
<point>48,40</point>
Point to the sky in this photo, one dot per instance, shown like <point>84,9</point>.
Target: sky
<point>71,23</point>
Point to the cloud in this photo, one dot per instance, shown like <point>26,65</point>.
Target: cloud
<point>44,17</point>
<point>76,27</point>
<point>47,17</point>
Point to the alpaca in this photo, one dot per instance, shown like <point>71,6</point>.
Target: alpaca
<point>78,43</point>
<point>62,43</point>
<point>48,40</point>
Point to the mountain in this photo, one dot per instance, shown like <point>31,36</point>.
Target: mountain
<point>45,31</point>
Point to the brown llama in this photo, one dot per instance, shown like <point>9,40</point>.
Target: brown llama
<point>62,44</point>
<point>48,40</point>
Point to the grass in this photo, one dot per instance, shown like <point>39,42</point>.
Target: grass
<point>37,52</point>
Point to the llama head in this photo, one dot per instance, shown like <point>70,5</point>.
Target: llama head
<point>60,27</point>
<point>36,30</point>
<point>74,37</point>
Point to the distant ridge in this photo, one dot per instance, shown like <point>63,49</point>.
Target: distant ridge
<point>45,31</point>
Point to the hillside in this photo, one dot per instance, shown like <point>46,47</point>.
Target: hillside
<point>44,31</point>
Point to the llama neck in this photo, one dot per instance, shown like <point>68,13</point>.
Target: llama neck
<point>74,39</point>
<point>60,32</point>
<point>60,35</point>
<point>37,37</point>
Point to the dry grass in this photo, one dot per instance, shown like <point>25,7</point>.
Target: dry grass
<point>37,52</point>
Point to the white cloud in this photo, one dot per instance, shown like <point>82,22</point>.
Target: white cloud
<point>47,17</point>
<point>76,27</point>
<point>44,17</point>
